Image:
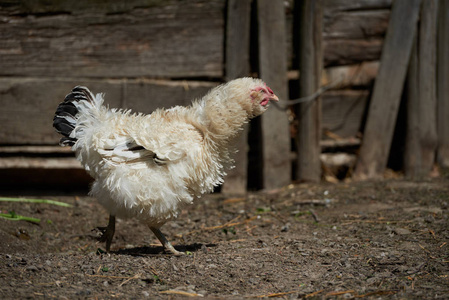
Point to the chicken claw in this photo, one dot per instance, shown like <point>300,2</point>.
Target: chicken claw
<point>167,245</point>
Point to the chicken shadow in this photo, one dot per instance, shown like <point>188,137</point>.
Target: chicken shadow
<point>158,250</point>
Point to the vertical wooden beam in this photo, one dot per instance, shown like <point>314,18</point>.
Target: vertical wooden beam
<point>442,84</point>
<point>383,110</point>
<point>273,70</point>
<point>310,68</point>
<point>421,138</point>
<point>237,65</point>
<point>237,39</point>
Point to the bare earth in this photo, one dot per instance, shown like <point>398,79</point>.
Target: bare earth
<point>373,240</point>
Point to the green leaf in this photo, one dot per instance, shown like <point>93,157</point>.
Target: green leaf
<point>15,217</point>
<point>261,210</point>
<point>44,201</point>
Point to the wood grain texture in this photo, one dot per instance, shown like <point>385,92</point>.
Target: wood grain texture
<point>28,105</point>
<point>387,91</point>
<point>342,112</point>
<point>353,36</point>
<point>308,139</point>
<point>273,70</point>
<point>165,39</point>
<point>421,137</point>
<point>332,7</point>
<point>442,84</point>
<point>237,65</point>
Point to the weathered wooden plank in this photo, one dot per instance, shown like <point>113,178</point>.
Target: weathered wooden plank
<point>354,36</point>
<point>337,52</point>
<point>334,6</point>
<point>353,31</point>
<point>29,180</point>
<point>308,166</point>
<point>342,112</point>
<point>28,104</point>
<point>22,162</point>
<point>387,91</point>
<point>237,39</point>
<point>365,24</point>
<point>237,65</point>
<point>40,150</point>
<point>52,7</point>
<point>352,76</point>
<point>170,39</point>
<point>147,95</point>
<point>421,136</point>
<point>442,84</point>
<point>273,70</point>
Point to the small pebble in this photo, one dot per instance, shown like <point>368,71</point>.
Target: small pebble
<point>32,268</point>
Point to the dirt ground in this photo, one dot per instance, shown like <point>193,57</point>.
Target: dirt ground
<point>373,240</point>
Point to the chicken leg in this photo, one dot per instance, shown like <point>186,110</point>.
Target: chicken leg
<point>107,233</point>
<point>165,242</point>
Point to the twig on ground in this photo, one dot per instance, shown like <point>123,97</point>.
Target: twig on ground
<point>234,200</point>
<point>131,278</point>
<point>272,295</point>
<point>228,224</point>
<point>340,293</point>
<point>375,222</point>
<point>314,215</point>
<point>181,293</point>
<point>110,276</point>
<point>312,201</point>
<point>376,293</point>
<point>313,294</point>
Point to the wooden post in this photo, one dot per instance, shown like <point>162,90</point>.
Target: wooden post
<point>442,84</point>
<point>387,91</point>
<point>273,70</point>
<point>237,65</point>
<point>310,68</point>
<point>421,139</point>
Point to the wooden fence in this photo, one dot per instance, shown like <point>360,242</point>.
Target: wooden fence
<point>148,54</point>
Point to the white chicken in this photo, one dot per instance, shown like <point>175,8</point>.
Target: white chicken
<point>148,166</point>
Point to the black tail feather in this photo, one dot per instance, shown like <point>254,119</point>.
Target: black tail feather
<point>65,117</point>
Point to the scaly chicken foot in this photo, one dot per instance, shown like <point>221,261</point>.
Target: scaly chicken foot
<point>167,245</point>
<point>107,233</point>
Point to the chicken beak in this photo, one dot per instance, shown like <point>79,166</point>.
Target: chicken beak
<point>274,98</point>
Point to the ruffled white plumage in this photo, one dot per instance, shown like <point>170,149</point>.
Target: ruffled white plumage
<point>149,166</point>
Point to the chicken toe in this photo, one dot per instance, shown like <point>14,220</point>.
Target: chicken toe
<point>107,233</point>
<point>167,245</point>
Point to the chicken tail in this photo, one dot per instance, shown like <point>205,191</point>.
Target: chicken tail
<point>67,114</point>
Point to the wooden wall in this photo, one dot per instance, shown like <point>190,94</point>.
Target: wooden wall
<point>48,49</point>
<point>146,53</point>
